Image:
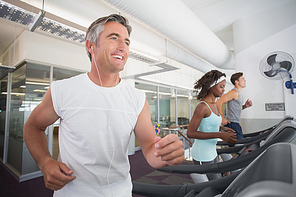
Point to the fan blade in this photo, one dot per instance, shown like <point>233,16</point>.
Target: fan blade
<point>271,73</point>
<point>286,65</point>
<point>271,59</point>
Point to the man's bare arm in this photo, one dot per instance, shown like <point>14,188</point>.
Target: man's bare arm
<point>159,152</point>
<point>56,174</point>
<point>231,95</point>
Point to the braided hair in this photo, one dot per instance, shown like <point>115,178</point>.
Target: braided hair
<point>202,86</point>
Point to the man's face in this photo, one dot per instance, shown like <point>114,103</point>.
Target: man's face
<point>242,82</point>
<point>113,48</point>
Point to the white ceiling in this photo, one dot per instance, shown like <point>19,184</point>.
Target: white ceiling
<point>217,15</point>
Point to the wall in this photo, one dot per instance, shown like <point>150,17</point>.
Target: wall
<point>58,52</point>
<point>263,39</point>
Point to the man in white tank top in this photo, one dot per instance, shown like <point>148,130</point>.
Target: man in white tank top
<point>98,112</point>
<point>234,99</point>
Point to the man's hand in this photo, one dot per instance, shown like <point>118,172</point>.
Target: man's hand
<point>56,174</point>
<point>247,104</point>
<point>225,121</point>
<point>169,149</point>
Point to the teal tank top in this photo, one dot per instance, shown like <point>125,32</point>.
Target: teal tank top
<point>205,149</point>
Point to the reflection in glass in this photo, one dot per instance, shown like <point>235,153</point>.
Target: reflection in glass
<point>16,119</point>
<point>60,73</point>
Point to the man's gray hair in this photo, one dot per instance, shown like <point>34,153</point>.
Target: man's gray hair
<point>95,29</point>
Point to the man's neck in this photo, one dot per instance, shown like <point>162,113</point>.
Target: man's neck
<point>106,81</point>
<point>238,87</point>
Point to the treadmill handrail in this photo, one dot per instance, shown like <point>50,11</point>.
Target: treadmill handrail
<point>240,162</point>
<point>147,189</point>
<point>257,135</point>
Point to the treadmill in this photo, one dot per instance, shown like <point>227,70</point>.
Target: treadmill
<point>272,173</point>
<point>251,137</point>
<point>245,154</point>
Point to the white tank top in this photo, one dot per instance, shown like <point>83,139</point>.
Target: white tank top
<point>94,133</point>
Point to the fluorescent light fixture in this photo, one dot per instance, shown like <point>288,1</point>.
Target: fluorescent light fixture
<point>149,91</point>
<point>142,57</point>
<point>21,16</point>
<point>37,21</point>
<point>4,70</point>
<point>15,93</point>
<point>30,102</point>
<point>37,90</point>
<point>37,83</point>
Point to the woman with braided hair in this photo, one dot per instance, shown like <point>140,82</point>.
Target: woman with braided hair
<point>205,124</point>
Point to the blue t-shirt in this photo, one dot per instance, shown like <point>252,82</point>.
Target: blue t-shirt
<point>205,149</point>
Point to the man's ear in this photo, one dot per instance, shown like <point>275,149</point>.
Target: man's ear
<point>88,45</point>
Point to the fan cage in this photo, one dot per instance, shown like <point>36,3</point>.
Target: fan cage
<point>281,56</point>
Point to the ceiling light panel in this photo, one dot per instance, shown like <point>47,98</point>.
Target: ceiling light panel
<point>15,14</point>
<point>21,16</point>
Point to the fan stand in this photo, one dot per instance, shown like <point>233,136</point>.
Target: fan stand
<point>289,84</point>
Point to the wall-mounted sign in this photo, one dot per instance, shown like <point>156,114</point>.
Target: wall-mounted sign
<point>274,106</point>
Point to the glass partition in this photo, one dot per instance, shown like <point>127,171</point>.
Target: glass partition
<point>183,107</point>
<point>29,84</point>
<point>167,107</point>
<point>16,119</point>
<point>60,73</point>
<point>194,102</point>
<point>151,96</point>
<point>3,96</point>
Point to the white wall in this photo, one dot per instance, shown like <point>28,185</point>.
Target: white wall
<point>58,52</point>
<point>260,89</point>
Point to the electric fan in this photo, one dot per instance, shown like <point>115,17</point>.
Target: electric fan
<point>278,65</point>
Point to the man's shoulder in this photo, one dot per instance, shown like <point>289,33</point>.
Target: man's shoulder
<point>71,79</point>
<point>233,94</point>
<point>130,87</point>
<point>68,83</point>
<point>131,90</point>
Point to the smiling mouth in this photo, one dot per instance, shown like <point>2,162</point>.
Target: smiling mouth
<point>118,57</point>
